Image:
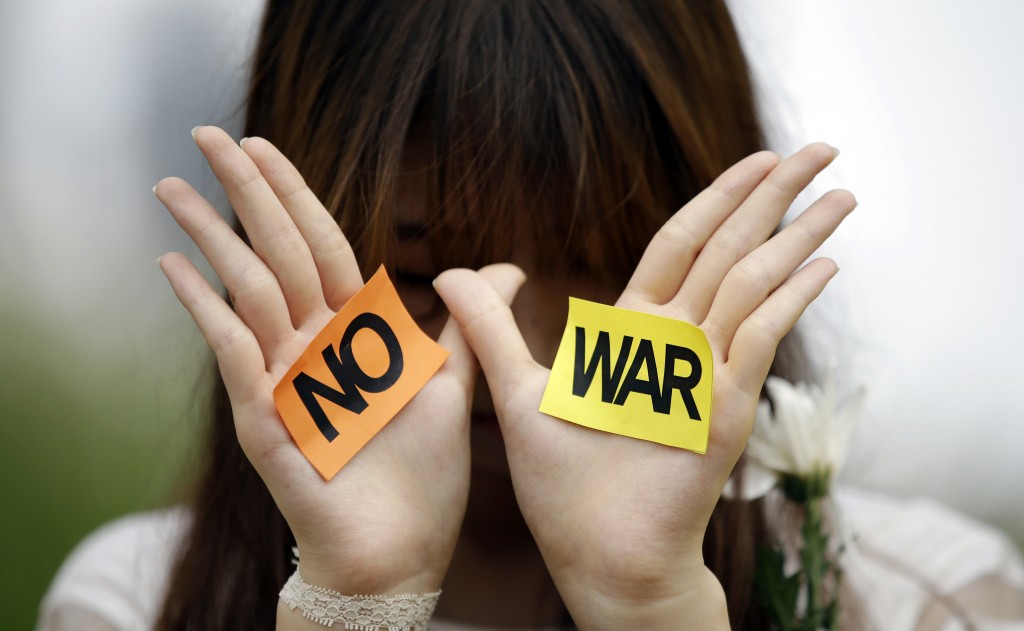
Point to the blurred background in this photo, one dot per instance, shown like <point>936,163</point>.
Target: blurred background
<point>99,365</point>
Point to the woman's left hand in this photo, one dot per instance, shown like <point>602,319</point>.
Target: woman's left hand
<point>387,523</point>
<point>621,522</point>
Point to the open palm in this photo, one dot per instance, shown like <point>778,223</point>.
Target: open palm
<point>625,518</point>
<point>388,520</point>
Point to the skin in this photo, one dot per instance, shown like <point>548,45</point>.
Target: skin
<point>617,522</point>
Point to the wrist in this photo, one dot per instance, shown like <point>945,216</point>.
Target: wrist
<point>378,574</point>
<point>370,581</point>
<point>694,599</point>
<point>398,612</point>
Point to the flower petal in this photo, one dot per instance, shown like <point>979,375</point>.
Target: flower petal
<point>757,482</point>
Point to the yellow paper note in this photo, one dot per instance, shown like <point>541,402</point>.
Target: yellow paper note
<point>633,374</point>
<point>355,376</point>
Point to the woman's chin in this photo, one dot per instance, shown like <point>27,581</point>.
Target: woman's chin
<point>487,446</point>
<point>492,514</point>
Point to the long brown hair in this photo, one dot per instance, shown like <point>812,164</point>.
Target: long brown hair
<point>586,121</point>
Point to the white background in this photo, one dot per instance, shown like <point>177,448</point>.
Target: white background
<point>924,100</point>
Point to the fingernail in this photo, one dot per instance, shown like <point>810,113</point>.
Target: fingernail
<point>241,143</point>
<point>194,130</point>
<point>158,259</point>
<point>835,151</point>
<point>154,189</point>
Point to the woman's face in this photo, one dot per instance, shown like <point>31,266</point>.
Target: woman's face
<point>540,307</point>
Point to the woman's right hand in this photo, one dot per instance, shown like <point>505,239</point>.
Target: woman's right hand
<point>621,522</point>
<point>388,521</point>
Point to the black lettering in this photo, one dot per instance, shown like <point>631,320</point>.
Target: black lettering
<point>308,388</point>
<point>684,385</point>
<point>396,361</point>
<point>650,386</point>
<point>350,376</point>
<point>583,377</point>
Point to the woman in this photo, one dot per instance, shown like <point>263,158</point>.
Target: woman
<point>562,137</point>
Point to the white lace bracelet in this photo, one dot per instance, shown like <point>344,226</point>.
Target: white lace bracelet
<point>404,612</point>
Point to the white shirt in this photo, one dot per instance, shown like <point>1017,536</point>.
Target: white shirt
<point>911,559</point>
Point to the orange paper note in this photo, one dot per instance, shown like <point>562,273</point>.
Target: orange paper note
<point>355,376</point>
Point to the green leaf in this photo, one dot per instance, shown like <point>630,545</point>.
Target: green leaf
<point>776,593</point>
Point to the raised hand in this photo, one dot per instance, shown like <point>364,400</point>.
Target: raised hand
<point>388,521</point>
<point>620,522</point>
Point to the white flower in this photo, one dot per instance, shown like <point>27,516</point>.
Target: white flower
<point>804,433</point>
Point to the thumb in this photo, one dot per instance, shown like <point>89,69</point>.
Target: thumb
<point>479,303</point>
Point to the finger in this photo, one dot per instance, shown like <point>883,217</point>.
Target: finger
<point>506,280</point>
<point>238,353</point>
<point>479,305</point>
<point>749,226</point>
<point>753,348</point>
<point>340,277</point>
<point>271,231</point>
<point>668,258</point>
<point>751,280</point>
<point>253,288</point>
